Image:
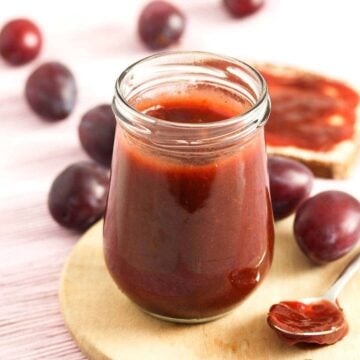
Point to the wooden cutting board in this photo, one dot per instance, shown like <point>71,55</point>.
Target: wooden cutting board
<point>106,325</point>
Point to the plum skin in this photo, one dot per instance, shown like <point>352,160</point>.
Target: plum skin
<point>290,183</point>
<point>327,226</point>
<point>160,25</point>
<point>243,8</point>
<point>78,195</point>
<point>51,91</point>
<point>96,133</point>
<point>20,41</point>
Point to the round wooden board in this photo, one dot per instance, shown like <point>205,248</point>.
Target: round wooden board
<point>106,325</point>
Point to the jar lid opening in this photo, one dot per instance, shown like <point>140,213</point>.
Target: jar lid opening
<point>167,72</point>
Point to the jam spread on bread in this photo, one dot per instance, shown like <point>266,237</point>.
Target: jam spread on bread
<point>309,111</point>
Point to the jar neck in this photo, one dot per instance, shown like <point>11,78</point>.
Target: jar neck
<point>216,79</point>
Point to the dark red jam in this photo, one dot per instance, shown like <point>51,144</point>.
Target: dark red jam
<point>297,318</point>
<point>188,239</point>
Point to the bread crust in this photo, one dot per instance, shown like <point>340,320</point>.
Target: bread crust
<point>337,163</point>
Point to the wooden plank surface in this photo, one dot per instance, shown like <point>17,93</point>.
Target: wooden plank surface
<point>98,41</point>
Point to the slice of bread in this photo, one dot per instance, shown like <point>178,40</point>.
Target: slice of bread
<point>314,119</point>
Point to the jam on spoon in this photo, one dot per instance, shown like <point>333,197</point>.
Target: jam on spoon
<point>314,320</point>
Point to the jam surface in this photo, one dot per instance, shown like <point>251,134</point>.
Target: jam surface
<point>187,239</point>
<point>309,111</point>
<point>190,114</point>
<point>187,108</point>
<point>297,317</point>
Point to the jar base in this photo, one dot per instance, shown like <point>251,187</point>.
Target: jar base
<point>185,321</point>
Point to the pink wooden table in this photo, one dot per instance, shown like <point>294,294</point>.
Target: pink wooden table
<point>97,40</point>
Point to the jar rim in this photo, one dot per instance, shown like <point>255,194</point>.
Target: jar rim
<point>147,119</point>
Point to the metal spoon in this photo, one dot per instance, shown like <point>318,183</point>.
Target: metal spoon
<point>333,334</point>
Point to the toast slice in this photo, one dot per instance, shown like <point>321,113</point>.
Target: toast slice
<point>314,119</point>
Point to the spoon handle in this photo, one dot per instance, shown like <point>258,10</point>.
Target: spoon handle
<point>344,277</point>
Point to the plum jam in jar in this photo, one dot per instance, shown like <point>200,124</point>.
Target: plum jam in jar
<point>188,230</point>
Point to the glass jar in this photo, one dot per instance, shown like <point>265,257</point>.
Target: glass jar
<point>188,229</point>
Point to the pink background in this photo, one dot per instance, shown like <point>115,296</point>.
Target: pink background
<point>97,40</point>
